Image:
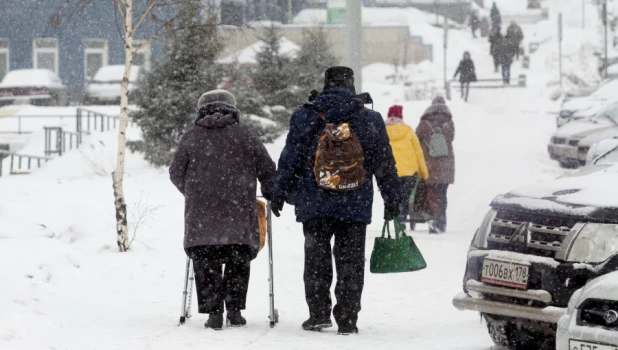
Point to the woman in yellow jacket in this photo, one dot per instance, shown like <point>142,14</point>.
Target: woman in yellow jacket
<point>409,157</point>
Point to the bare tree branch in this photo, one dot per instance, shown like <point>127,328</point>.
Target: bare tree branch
<point>144,15</point>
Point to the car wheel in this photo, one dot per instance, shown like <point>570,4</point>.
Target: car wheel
<point>568,165</point>
<point>517,337</point>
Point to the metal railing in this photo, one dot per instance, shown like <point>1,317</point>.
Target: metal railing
<point>16,167</point>
<point>94,121</point>
<point>20,129</point>
<point>56,140</point>
<point>498,84</point>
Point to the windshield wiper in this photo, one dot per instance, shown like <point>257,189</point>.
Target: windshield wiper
<point>610,118</point>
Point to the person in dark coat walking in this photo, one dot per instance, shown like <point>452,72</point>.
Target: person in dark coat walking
<point>495,43</point>
<point>484,26</point>
<point>466,73</point>
<point>436,131</point>
<point>506,55</point>
<point>496,19</point>
<point>514,36</point>
<point>342,214</point>
<point>474,22</point>
<point>215,167</point>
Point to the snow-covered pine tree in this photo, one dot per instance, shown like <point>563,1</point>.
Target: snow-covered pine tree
<point>273,76</point>
<point>314,57</point>
<point>169,93</point>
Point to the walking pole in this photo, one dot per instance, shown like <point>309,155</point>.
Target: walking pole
<point>274,313</point>
<point>185,312</point>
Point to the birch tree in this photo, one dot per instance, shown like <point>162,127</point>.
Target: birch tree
<point>151,19</point>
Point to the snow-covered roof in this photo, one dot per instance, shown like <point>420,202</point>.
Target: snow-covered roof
<point>577,195</point>
<point>248,54</point>
<point>115,73</point>
<point>31,78</point>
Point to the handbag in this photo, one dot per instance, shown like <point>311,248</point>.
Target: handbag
<point>262,222</point>
<point>395,255</point>
<point>424,208</point>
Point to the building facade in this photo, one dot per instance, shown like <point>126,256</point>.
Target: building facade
<point>74,50</point>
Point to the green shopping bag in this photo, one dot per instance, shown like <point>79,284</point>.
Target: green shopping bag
<point>395,255</point>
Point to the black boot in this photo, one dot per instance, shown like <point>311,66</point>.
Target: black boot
<point>347,330</point>
<point>215,321</point>
<point>235,319</point>
<point>314,324</point>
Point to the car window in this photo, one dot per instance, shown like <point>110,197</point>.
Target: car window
<point>608,158</point>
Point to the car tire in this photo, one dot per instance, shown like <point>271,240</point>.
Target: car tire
<point>568,165</point>
<point>517,337</point>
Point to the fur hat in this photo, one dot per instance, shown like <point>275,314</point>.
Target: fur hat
<point>439,100</point>
<point>339,77</point>
<point>395,111</point>
<point>218,96</point>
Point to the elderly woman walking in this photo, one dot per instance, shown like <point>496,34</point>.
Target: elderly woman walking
<point>436,132</point>
<point>216,167</point>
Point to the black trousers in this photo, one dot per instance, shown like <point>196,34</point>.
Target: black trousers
<point>442,190</point>
<point>407,185</point>
<point>214,288</point>
<point>506,73</point>
<point>349,252</point>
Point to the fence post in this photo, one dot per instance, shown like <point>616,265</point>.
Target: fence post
<point>12,158</point>
<point>59,141</point>
<point>102,123</point>
<point>78,126</point>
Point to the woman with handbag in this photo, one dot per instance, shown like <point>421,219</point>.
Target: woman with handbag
<point>409,158</point>
<point>436,132</point>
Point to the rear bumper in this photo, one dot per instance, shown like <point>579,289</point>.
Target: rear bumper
<point>550,314</point>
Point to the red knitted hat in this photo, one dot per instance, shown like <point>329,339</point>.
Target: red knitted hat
<point>395,111</point>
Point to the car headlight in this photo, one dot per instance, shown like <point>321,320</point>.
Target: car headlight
<point>595,243</point>
<point>480,238</point>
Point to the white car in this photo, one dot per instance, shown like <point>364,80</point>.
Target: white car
<point>608,149</point>
<point>106,85</point>
<point>587,106</point>
<point>34,86</point>
<point>591,321</point>
<point>564,143</point>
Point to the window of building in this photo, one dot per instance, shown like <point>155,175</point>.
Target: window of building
<point>142,57</point>
<point>96,55</point>
<point>45,54</point>
<point>4,57</point>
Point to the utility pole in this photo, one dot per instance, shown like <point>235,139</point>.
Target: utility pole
<point>605,41</point>
<point>445,47</point>
<point>353,43</point>
<point>560,46</point>
<point>289,13</point>
<point>583,14</point>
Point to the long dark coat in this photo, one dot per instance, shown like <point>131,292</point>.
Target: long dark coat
<point>298,156</point>
<point>496,19</point>
<point>216,167</point>
<point>466,71</point>
<point>438,118</point>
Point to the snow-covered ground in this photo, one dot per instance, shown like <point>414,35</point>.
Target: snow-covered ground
<point>64,286</point>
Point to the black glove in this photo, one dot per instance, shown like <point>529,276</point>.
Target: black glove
<point>391,212</point>
<point>276,208</point>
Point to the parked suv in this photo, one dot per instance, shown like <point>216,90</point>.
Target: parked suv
<point>534,249</point>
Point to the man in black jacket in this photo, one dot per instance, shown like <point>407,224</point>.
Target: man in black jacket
<point>327,213</point>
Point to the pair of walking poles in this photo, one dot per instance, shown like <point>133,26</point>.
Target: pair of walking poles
<point>187,293</point>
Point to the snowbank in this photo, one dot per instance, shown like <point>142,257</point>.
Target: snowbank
<point>248,55</point>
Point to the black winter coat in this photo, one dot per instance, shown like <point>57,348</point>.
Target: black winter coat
<point>216,167</point>
<point>466,71</point>
<point>496,19</point>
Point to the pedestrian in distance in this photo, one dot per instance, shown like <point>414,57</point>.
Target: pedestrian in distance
<point>474,22</point>
<point>506,54</point>
<point>336,200</point>
<point>467,75</point>
<point>484,26</point>
<point>496,18</point>
<point>409,158</point>
<point>216,167</point>
<point>514,36</point>
<point>495,43</point>
<point>436,132</point>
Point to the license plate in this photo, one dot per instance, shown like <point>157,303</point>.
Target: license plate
<point>582,345</point>
<point>504,273</point>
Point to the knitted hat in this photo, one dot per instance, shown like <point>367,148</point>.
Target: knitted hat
<point>439,100</point>
<point>219,96</point>
<point>341,77</point>
<point>395,112</point>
